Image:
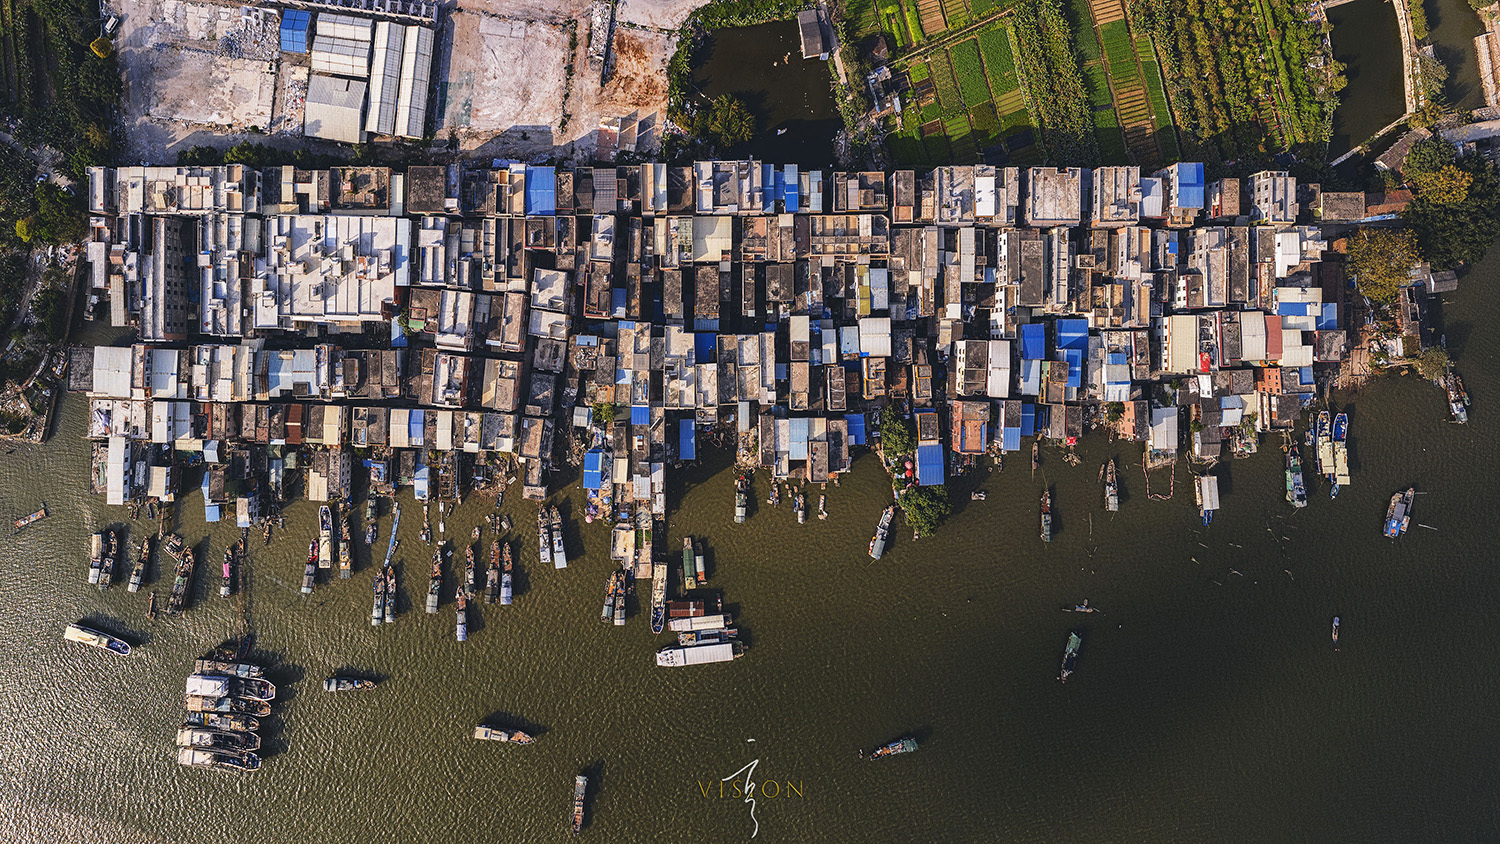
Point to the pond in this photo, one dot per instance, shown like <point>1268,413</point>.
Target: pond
<point>796,117</point>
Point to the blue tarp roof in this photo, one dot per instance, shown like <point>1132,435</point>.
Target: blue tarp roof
<point>1074,357</point>
<point>790,192</point>
<point>1190,184</point>
<point>294,24</point>
<point>419,483</point>
<point>1329,319</point>
<point>767,188</point>
<point>1115,359</point>
<point>414,424</point>
<point>640,414</point>
<point>1030,380</point>
<point>930,464</point>
<point>1010,439</point>
<point>856,423</point>
<point>618,299</point>
<point>541,190</point>
<point>1073,334</point>
<point>398,337</point>
<point>687,440</point>
<point>704,345</point>
<point>1028,419</point>
<point>1293,308</point>
<point>593,469</point>
<point>1033,341</point>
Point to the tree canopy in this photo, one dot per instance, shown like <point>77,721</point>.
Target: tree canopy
<point>1454,210</point>
<point>1381,260</point>
<point>896,434</point>
<point>727,121</point>
<point>1432,363</point>
<point>926,507</point>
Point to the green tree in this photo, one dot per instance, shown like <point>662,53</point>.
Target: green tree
<point>59,216</point>
<point>1427,156</point>
<point>726,122</point>
<point>1381,260</point>
<point>1447,186</point>
<point>926,507</point>
<point>1432,363</point>
<point>896,434</point>
<point>1452,233</point>
<point>604,413</point>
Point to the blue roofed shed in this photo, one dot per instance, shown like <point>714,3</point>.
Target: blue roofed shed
<point>687,440</point>
<point>1190,184</point>
<point>1028,420</point>
<point>1033,341</point>
<point>856,423</point>
<point>1072,334</point>
<point>294,26</point>
<point>640,414</point>
<point>541,190</point>
<point>930,464</point>
<point>593,470</point>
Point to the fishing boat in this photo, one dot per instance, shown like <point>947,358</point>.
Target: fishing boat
<point>544,536</point>
<point>377,609</point>
<point>311,572</point>
<point>138,574</point>
<point>1458,400</point>
<point>89,636</point>
<point>676,656</point>
<point>1323,449</point>
<point>347,684</point>
<point>372,509</point>
<point>799,504</point>
<point>741,498</point>
<point>1070,656</point>
<point>1036,456</point>
<point>622,582</point>
<point>111,553</point>
<point>1296,490</point>
<point>685,609</point>
<point>484,733</point>
<point>462,628</point>
<point>227,583</point>
<point>775,496</point>
<point>31,519</point>
<point>151,607</point>
<point>390,594</point>
<point>223,721</point>
<point>469,574</point>
<point>370,534</point>
<point>214,739</point>
<point>222,760</point>
<point>706,637</point>
<point>390,547</point>
<point>426,534</point>
<point>492,580</point>
<point>227,705</point>
<point>180,582</point>
<point>658,597</point>
<point>505,581</point>
<point>1083,607</point>
<point>228,669</point>
<point>1111,488</point>
<point>882,532</point>
<point>442,526</point>
<point>1047,515</point>
<point>96,556</point>
<point>222,685</point>
<point>711,621</point>
<point>689,561</point>
<point>1335,632</point>
<point>1398,515</point>
<point>607,614</point>
<point>1340,454</point>
<point>900,745</point>
<point>698,566</point>
<point>325,537</point>
<point>435,581</point>
<point>822,511</point>
<point>580,788</point>
<point>346,550</point>
<point>559,554</point>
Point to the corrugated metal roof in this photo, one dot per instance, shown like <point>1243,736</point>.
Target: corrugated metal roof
<point>416,78</point>
<point>344,56</point>
<point>930,464</point>
<point>385,77</point>
<point>333,109</point>
<point>294,26</point>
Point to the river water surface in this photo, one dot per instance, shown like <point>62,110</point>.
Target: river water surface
<point>1208,703</point>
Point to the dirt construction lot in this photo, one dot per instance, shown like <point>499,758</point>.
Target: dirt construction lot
<point>210,71</point>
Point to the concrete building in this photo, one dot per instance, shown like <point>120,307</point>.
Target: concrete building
<point>333,109</point>
<point>1273,198</point>
<point>1054,196</point>
<point>1116,196</point>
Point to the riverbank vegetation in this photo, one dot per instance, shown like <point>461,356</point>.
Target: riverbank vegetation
<point>1455,207</point>
<point>1245,79</point>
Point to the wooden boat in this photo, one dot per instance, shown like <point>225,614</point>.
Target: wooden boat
<point>505,581</point>
<point>689,563</point>
<point>183,576</point>
<point>1070,657</point>
<point>222,760</point>
<point>310,573</point>
<point>215,739</point>
<point>228,669</point>
<point>325,537</point>
<point>31,519</point>
<point>1111,488</point>
<point>151,607</point>
<point>580,789</point>
<point>89,636</point>
<point>426,534</point>
<point>899,746</point>
<point>111,554</point>
<point>462,631</point>
<point>1047,516</point>
<point>470,575</point>
<point>559,552</point>
<point>492,579</point>
<point>544,536</point>
<point>199,703</point>
<point>222,685</point>
<point>347,684</point>
<point>223,721</point>
<point>377,608</point>
<point>1335,632</point>
<point>227,583</point>
<point>484,733</point>
<point>96,557</point>
<point>390,594</point>
<point>698,564</point>
<point>345,548</point>
<point>138,574</point>
<point>435,581</point>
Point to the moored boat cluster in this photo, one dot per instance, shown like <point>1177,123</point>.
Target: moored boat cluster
<point>225,702</point>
